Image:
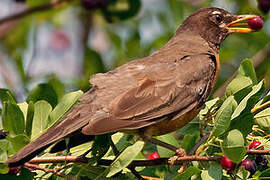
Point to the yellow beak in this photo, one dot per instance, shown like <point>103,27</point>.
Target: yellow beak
<point>240,25</point>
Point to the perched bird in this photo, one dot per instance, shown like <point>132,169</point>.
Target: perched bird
<point>153,95</point>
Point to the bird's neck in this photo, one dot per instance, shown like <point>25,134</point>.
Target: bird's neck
<point>193,43</point>
<point>212,41</point>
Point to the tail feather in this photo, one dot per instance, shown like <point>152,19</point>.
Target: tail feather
<point>73,122</point>
<point>34,148</point>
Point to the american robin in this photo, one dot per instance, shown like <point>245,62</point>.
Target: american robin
<point>150,96</point>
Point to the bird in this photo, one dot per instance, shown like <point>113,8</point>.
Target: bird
<point>150,96</point>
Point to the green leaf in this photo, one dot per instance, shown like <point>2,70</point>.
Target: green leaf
<point>43,92</point>
<point>209,105</point>
<point>265,173</point>
<point>29,118</point>
<point>65,104</point>
<point>247,69</point>
<point>13,119</point>
<point>243,173</point>
<point>4,168</point>
<point>190,128</point>
<point>80,149</point>
<point>263,119</point>
<point>190,171</point>
<point>125,158</point>
<point>23,106</point>
<point>233,146</point>
<point>41,118</point>
<point>85,170</point>
<point>4,145</point>
<point>239,87</point>
<point>213,172</point>
<point>18,141</point>
<point>189,141</point>
<point>120,140</point>
<point>57,85</point>
<point>170,139</point>
<point>172,173</point>
<point>223,117</point>
<point>7,96</point>
<point>249,101</point>
<point>101,145</point>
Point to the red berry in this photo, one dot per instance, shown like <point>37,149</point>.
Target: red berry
<point>255,23</point>
<point>255,145</point>
<point>264,5</point>
<point>153,155</point>
<point>227,164</point>
<point>249,165</point>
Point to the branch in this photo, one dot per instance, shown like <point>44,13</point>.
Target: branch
<point>37,167</point>
<point>257,60</point>
<point>135,163</point>
<point>32,10</point>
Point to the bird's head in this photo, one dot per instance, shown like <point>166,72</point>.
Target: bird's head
<point>215,24</point>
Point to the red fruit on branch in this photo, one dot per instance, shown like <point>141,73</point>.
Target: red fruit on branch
<point>264,5</point>
<point>249,165</point>
<point>227,164</point>
<point>256,145</point>
<point>153,155</point>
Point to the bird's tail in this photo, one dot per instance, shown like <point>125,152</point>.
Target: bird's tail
<point>73,122</point>
<point>34,148</point>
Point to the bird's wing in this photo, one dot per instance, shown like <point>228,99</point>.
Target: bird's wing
<point>164,88</point>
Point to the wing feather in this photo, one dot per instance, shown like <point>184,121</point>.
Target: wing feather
<point>162,89</point>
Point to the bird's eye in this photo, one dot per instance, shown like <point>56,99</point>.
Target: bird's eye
<point>218,18</point>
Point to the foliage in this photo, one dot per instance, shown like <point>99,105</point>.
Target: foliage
<point>231,120</point>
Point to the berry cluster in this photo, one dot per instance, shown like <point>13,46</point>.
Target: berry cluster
<point>250,165</point>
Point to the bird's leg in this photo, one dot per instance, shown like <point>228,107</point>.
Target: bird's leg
<point>160,143</point>
<point>179,151</point>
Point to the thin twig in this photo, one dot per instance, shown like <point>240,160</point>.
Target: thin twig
<point>135,163</point>
<point>37,167</point>
<point>136,174</point>
<point>260,152</point>
<point>260,108</point>
<point>59,159</point>
<point>32,10</point>
<point>197,145</point>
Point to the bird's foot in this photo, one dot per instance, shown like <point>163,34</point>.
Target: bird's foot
<point>180,152</point>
